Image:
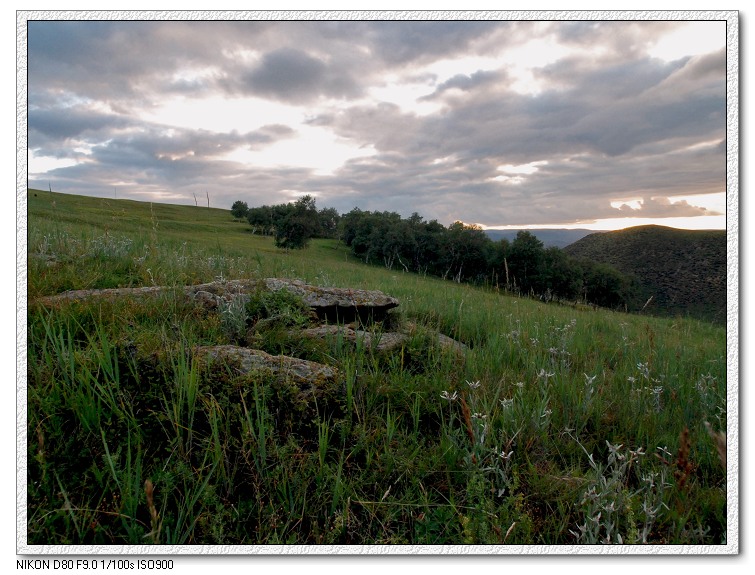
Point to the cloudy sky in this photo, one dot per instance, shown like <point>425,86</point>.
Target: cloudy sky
<point>599,124</point>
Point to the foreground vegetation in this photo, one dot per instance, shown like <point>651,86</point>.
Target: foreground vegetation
<point>560,425</point>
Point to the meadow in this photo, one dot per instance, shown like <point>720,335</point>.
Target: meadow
<point>559,425</point>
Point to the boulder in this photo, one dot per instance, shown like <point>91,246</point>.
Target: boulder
<point>310,377</point>
<point>296,393</point>
<point>333,304</point>
<point>378,341</point>
<point>338,304</point>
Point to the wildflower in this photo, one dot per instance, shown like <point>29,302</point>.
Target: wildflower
<point>534,341</point>
<point>614,448</point>
<point>545,374</point>
<point>479,415</point>
<point>589,379</point>
<point>449,397</point>
<point>506,456</point>
<point>520,384</point>
<point>639,451</point>
<point>546,413</point>
<point>507,403</point>
<point>473,385</point>
<point>664,450</point>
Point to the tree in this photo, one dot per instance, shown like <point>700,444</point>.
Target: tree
<point>262,219</point>
<point>525,261</point>
<point>464,253</point>
<point>604,285</point>
<point>297,224</point>
<point>329,219</point>
<point>239,209</point>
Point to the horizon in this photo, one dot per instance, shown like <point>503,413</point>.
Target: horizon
<point>568,227</point>
<point>554,124</point>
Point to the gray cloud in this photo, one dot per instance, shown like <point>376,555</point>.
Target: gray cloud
<point>609,123</point>
<point>291,75</point>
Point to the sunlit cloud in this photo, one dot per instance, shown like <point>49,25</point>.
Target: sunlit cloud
<point>527,123</point>
<point>314,148</point>
<point>690,39</point>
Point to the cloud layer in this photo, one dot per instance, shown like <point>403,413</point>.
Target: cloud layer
<point>498,123</point>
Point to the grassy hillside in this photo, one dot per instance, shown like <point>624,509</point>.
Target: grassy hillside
<point>683,270</point>
<point>558,426</point>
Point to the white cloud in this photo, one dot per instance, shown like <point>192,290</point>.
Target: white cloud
<point>690,39</point>
<point>314,148</point>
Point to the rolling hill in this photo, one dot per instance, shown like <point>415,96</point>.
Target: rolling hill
<point>684,271</point>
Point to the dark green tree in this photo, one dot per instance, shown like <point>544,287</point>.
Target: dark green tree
<point>328,219</point>
<point>296,224</point>
<point>525,262</point>
<point>239,209</point>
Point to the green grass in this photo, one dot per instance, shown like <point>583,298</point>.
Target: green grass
<point>559,425</point>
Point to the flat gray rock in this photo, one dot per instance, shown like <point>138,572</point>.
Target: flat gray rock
<point>335,304</point>
<point>309,376</point>
<point>378,341</point>
<point>338,304</point>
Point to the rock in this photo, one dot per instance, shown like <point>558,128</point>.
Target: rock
<point>338,304</point>
<point>333,304</point>
<point>295,393</point>
<point>310,377</point>
<point>78,295</point>
<point>378,341</point>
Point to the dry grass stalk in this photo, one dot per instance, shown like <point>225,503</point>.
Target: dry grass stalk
<point>467,414</point>
<point>719,440</point>
<point>684,466</point>
<point>155,517</point>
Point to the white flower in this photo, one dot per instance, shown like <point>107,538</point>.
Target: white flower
<point>664,450</point>
<point>473,385</point>
<point>507,403</point>
<point>589,379</point>
<point>506,456</point>
<point>545,374</point>
<point>450,397</point>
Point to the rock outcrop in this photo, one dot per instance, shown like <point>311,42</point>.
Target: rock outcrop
<point>333,304</point>
<point>381,342</point>
<point>309,376</point>
<point>346,313</point>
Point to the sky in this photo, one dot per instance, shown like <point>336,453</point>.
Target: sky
<point>105,90</point>
<point>572,123</point>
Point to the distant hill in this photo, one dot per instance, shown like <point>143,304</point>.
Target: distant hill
<point>683,270</point>
<point>550,237</point>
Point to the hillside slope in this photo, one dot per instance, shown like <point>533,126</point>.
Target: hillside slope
<point>683,270</point>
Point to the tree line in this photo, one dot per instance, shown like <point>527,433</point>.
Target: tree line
<point>292,224</point>
<point>459,252</point>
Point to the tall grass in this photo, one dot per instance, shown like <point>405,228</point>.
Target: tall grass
<point>557,425</point>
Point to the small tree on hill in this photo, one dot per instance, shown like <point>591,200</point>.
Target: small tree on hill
<point>239,209</point>
<point>298,225</point>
